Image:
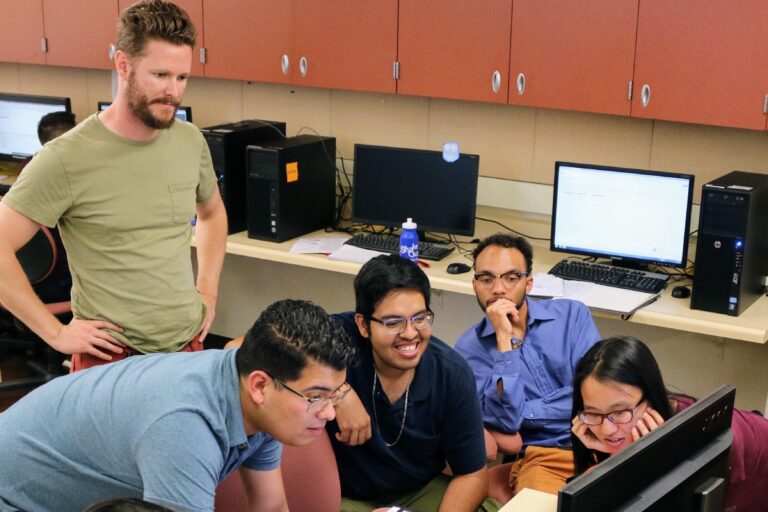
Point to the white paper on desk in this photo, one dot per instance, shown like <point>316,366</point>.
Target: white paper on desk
<point>353,254</point>
<point>317,245</point>
<point>547,285</point>
<point>610,298</point>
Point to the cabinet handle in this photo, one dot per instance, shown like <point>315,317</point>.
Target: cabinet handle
<point>284,64</point>
<point>111,51</point>
<point>496,81</point>
<point>44,44</point>
<point>203,55</point>
<point>520,84</point>
<point>645,95</point>
<point>303,66</point>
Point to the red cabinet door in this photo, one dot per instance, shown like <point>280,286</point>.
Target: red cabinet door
<point>194,9</point>
<point>247,39</point>
<point>80,32</point>
<point>21,31</point>
<point>702,61</point>
<point>346,44</point>
<point>454,49</point>
<point>573,55</point>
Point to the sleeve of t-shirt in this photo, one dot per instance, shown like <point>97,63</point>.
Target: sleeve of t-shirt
<point>179,461</point>
<point>267,455</point>
<point>42,190</point>
<point>207,181</point>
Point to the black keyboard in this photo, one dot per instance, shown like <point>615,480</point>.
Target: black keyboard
<point>609,275</point>
<point>4,189</point>
<point>391,244</point>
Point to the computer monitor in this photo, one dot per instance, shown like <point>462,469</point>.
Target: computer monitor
<point>632,216</point>
<point>391,184</point>
<point>182,113</point>
<point>19,116</point>
<point>682,466</point>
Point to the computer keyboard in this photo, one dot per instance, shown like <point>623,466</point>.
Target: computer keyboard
<point>609,275</point>
<point>4,189</point>
<point>391,244</point>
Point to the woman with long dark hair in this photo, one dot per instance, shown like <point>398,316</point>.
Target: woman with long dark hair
<point>619,396</point>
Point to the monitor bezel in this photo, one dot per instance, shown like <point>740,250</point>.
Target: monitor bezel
<point>32,98</point>
<point>422,227</point>
<point>623,259</point>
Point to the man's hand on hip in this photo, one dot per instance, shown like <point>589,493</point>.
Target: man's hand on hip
<point>88,337</point>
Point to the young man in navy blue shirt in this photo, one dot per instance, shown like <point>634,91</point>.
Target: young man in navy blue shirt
<point>413,406</point>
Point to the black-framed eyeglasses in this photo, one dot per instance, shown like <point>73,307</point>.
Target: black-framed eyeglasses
<point>511,278</point>
<point>616,417</point>
<point>316,404</point>
<point>397,324</point>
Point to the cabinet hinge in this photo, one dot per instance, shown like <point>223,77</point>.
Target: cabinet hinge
<point>396,70</point>
<point>44,44</point>
<point>629,90</point>
<point>203,55</point>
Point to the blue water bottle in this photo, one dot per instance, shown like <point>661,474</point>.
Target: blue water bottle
<point>409,241</point>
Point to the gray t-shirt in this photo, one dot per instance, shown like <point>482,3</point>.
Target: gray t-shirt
<point>165,427</point>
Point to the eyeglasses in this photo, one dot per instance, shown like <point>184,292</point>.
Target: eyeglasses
<point>508,279</point>
<point>316,404</point>
<point>616,417</point>
<point>397,324</point>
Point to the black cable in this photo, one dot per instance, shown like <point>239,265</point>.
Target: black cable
<point>512,230</point>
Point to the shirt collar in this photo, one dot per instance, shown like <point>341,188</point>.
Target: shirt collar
<point>536,313</point>
<point>234,416</point>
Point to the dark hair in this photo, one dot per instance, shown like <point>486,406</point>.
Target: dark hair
<point>53,124</point>
<point>126,505</point>
<point>625,360</point>
<point>290,334</point>
<point>508,242</point>
<point>383,274</point>
<point>153,19</point>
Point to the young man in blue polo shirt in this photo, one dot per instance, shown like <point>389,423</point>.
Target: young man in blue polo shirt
<point>168,428</point>
<point>523,354</point>
<point>413,406</point>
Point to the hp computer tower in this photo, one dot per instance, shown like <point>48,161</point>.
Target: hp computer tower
<point>732,246</point>
<point>227,143</point>
<point>291,187</point>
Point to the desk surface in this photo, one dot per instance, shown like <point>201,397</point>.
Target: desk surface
<point>666,312</point>
<point>530,500</point>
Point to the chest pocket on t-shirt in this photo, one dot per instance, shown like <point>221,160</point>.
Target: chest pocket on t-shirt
<point>183,201</point>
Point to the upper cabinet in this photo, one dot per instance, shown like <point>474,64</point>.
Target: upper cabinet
<point>573,55</point>
<point>21,31</point>
<point>80,32</point>
<point>457,49</point>
<point>702,61</point>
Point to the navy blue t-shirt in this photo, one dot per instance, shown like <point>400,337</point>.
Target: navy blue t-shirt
<point>443,424</point>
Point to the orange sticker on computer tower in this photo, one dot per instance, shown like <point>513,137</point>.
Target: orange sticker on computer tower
<point>292,172</point>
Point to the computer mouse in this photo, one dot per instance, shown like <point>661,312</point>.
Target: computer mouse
<point>681,292</point>
<point>458,268</point>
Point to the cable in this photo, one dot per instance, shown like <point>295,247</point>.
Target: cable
<point>512,230</point>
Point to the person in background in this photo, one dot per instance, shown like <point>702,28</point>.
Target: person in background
<point>523,353</point>
<point>619,396</point>
<point>123,187</point>
<point>168,428</point>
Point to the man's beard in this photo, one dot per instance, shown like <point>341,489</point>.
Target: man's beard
<point>138,104</point>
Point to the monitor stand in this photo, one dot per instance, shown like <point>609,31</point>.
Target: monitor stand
<point>630,265</point>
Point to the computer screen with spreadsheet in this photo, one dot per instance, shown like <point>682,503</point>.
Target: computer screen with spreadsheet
<point>392,184</point>
<point>627,215</point>
<point>19,116</point>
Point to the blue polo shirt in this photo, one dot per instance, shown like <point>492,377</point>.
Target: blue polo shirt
<point>165,427</point>
<point>443,424</point>
<point>538,377</point>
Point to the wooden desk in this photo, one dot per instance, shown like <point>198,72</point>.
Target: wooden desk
<point>529,500</point>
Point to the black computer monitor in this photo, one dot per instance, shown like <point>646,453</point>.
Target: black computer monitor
<point>682,466</point>
<point>183,113</point>
<point>631,216</point>
<point>19,116</point>
<point>391,184</point>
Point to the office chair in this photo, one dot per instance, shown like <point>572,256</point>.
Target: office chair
<point>38,260</point>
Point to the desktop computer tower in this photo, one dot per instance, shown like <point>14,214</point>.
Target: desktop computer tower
<point>732,246</point>
<point>227,143</point>
<point>291,187</point>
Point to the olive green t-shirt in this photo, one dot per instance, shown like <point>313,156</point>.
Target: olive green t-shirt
<point>124,210</point>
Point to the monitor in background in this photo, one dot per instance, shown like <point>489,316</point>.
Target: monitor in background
<point>391,184</point>
<point>182,113</point>
<point>632,216</point>
<point>19,116</point>
<point>680,466</point>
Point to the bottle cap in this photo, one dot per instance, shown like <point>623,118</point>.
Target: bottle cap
<point>409,224</point>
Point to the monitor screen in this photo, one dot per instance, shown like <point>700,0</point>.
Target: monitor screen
<point>392,184</point>
<point>19,116</point>
<point>183,113</point>
<point>628,215</point>
<point>682,465</point>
